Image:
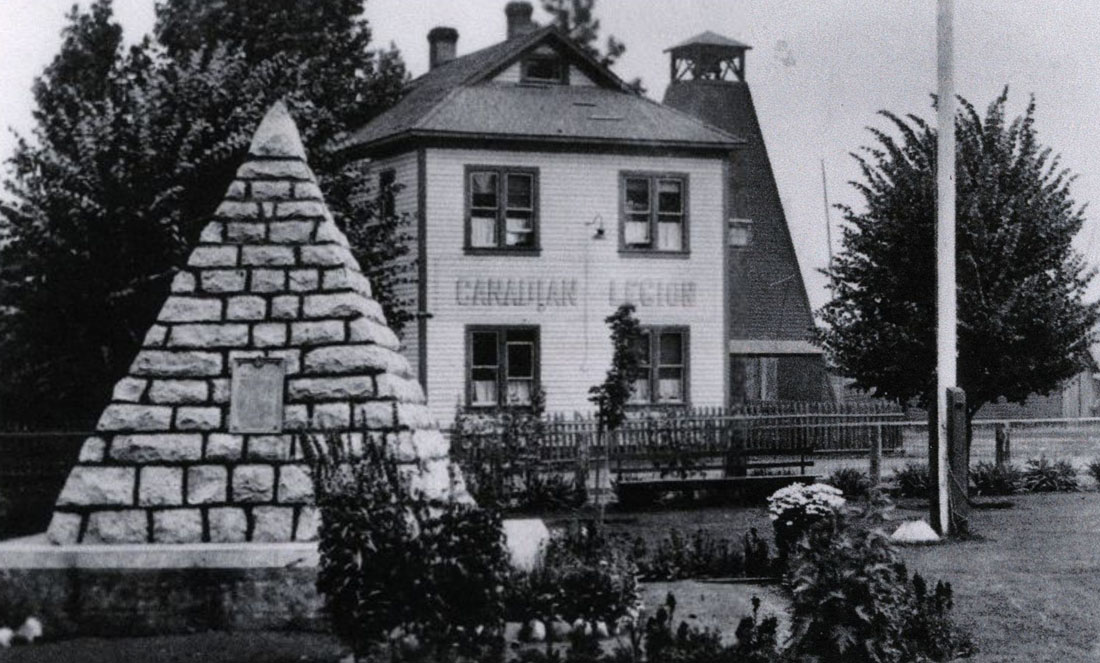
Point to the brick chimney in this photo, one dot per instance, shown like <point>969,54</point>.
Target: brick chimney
<point>442,42</point>
<point>519,18</point>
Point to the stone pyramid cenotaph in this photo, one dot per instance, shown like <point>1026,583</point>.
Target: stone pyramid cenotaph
<point>269,332</point>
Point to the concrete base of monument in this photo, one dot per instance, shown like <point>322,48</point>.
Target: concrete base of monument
<point>107,590</point>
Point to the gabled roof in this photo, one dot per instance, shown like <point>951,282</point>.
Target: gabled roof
<point>709,38</point>
<point>459,99</point>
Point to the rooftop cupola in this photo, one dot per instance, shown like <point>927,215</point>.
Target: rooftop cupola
<point>708,56</point>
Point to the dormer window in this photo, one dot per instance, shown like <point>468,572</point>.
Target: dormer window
<point>538,68</point>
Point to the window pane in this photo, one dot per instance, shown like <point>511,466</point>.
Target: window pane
<point>520,189</point>
<point>543,69</point>
<point>484,352</point>
<point>483,189</point>
<point>520,230</point>
<point>637,195</point>
<point>641,347</point>
<point>521,360</point>
<point>484,392</point>
<point>670,385</point>
<point>636,232</point>
<point>670,196</point>
<point>483,229</point>
<point>519,392</point>
<point>672,349</point>
<point>641,391</point>
<point>670,234</point>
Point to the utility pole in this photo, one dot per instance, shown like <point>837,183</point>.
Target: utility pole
<point>828,221</point>
<point>946,313</point>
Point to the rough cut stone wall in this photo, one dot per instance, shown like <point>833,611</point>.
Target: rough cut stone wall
<point>272,276</point>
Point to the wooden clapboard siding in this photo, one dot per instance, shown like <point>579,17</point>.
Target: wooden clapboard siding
<point>573,191</point>
<point>404,166</point>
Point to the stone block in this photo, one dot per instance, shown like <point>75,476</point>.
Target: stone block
<point>307,191</point>
<point>64,529</point>
<point>93,450</point>
<point>247,307</point>
<point>155,337</point>
<point>207,484</point>
<point>267,256</point>
<point>128,390</point>
<point>190,309</point>
<point>243,232</point>
<point>273,190</point>
<point>272,523</point>
<point>281,169</point>
<point>198,418</point>
<point>304,279</point>
<point>329,389</point>
<point>237,190</point>
<point>329,416</point>
<point>359,283</point>
<point>233,209</point>
<point>269,334</point>
<point>253,483</point>
<point>125,526</point>
<point>375,415</point>
<point>224,280</point>
<point>291,232</point>
<point>405,390</point>
<point>90,485</point>
<point>414,415</point>
<point>292,359</point>
<point>334,305</point>
<point>132,417</point>
<point>219,391</point>
<point>212,233</point>
<point>175,392</point>
<point>160,486</point>
<point>402,446</point>
<point>366,330</point>
<point>213,256</point>
<point>183,282</point>
<point>177,526</point>
<point>326,255</point>
<point>295,417</point>
<point>224,446</point>
<point>318,332</point>
<point>300,208</point>
<point>268,280</point>
<point>431,479</point>
<point>166,447</point>
<point>327,232</point>
<point>285,307</point>
<point>430,444</point>
<point>295,485</point>
<point>224,335</point>
<point>227,525</point>
<point>236,355</point>
<point>309,524</point>
<point>335,279</point>
<point>176,363</point>
<point>269,447</point>
<point>363,358</point>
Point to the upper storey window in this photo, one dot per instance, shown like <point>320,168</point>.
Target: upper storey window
<point>653,211</point>
<point>544,68</point>
<point>501,209</point>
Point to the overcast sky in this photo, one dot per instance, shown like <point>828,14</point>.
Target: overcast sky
<point>819,70</point>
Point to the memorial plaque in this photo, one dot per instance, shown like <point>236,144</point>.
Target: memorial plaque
<point>256,395</point>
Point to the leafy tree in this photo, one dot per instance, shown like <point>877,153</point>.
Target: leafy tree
<point>611,396</point>
<point>1024,324</point>
<point>131,153</point>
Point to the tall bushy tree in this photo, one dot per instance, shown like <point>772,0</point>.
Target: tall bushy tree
<point>1024,323</point>
<point>131,154</point>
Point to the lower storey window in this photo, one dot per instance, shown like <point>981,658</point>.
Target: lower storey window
<point>663,353</point>
<point>503,365</point>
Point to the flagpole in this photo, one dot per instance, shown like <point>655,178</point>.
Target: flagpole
<point>946,312</point>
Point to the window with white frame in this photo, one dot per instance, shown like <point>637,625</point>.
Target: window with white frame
<point>663,358</point>
<point>502,366</point>
<point>654,216</point>
<point>501,208</point>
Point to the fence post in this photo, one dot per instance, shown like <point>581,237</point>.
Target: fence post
<point>876,456</point>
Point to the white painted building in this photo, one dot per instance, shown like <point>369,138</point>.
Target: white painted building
<point>546,192</point>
